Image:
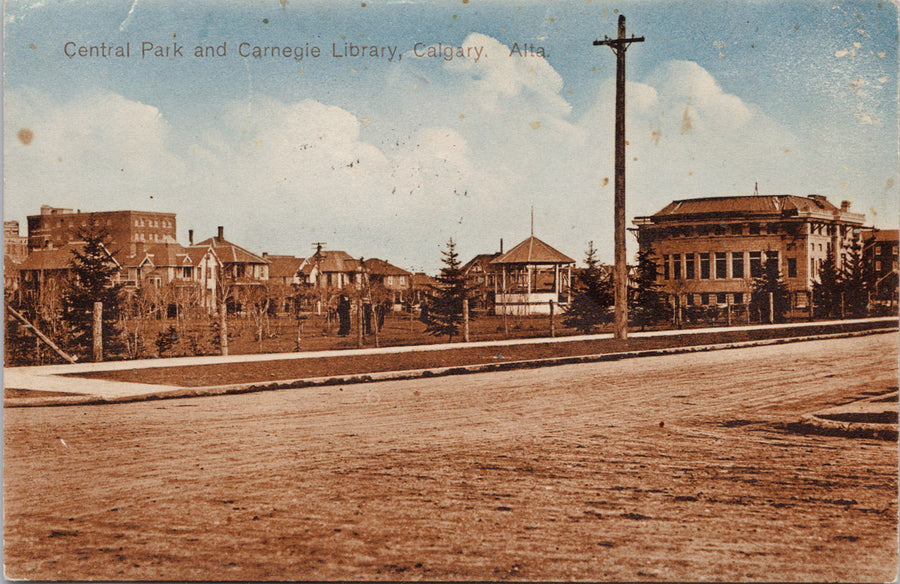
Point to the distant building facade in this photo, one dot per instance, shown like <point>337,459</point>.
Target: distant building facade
<point>482,277</point>
<point>55,227</point>
<point>709,250</point>
<point>15,246</point>
<point>879,250</point>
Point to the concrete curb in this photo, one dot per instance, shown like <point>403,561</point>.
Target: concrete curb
<point>180,392</point>
<point>855,420</point>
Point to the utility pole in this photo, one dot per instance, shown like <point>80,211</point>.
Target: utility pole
<point>619,45</point>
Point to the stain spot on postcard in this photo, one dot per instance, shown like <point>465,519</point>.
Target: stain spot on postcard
<point>686,125</point>
<point>25,136</point>
<point>534,125</point>
<point>889,185</point>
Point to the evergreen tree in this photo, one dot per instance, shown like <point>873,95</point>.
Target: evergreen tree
<point>445,302</point>
<point>855,281</point>
<point>94,271</point>
<point>648,304</point>
<point>771,282</point>
<point>592,295</point>
<point>827,290</point>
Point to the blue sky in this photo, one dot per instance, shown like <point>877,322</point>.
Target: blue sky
<point>391,158</point>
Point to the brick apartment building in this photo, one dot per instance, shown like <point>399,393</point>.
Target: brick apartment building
<point>55,227</point>
<point>709,250</point>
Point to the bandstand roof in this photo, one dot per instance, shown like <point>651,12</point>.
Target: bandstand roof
<point>533,251</point>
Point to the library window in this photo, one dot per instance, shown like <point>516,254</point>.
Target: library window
<point>755,264</point>
<point>737,265</point>
<point>676,266</point>
<point>792,267</point>
<point>704,266</point>
<point>721,265</point>
<point>721,298</point>
<point>689,266</point>
<point>665,267</point>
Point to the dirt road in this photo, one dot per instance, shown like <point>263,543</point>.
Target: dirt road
<point>662,468</point>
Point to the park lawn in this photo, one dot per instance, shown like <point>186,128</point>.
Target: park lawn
<point>297,367</point>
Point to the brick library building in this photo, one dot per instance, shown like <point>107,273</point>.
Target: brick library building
<point>709,250</point>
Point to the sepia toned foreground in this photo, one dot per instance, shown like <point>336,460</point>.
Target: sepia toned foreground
<point>663,468</point>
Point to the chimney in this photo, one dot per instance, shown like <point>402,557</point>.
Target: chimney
<point>501,245</point>
<point>190,237</point>
<point>221,236</point>
<point>265,254</point>
<point>845,206</point>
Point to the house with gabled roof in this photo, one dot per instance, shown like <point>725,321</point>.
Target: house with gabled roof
<point>395,281</point>
<point>287,276</point>
<point>335,270</point>
<point>242,271</point>
<point>51,268</point>
<point>286,269</point>
<point>421,285</point>
<point>481,275</point>
<point>532,275</point>
<point>191,271</point>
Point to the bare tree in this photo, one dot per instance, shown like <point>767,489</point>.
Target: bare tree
<point>256,304</point>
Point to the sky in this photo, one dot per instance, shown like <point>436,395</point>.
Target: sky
<point>465,117</point>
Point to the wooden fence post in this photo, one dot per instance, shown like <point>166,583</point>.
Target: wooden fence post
<point>465,315</point>
<point>223,327</point>
<point>98,332</point>
<point>360,322</point>
<point>552,322</point>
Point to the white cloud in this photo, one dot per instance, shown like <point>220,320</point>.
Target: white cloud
<point>93,150</point>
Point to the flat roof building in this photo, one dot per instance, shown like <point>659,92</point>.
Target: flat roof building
<point>55,227</point>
